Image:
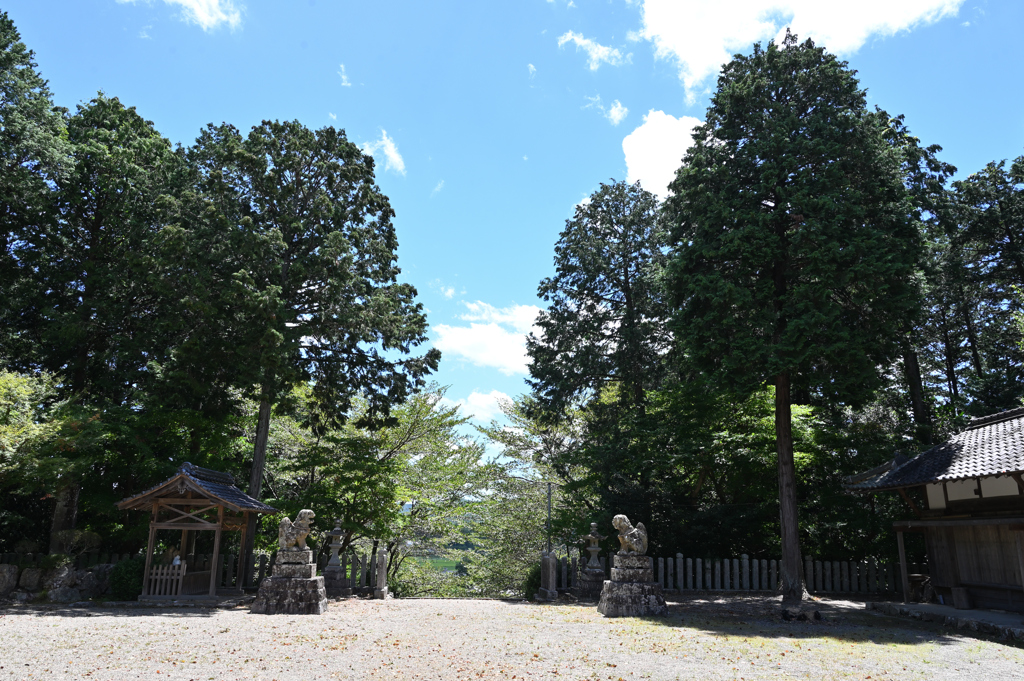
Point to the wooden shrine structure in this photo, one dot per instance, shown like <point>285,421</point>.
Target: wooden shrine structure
<point>969,505</point>
<point>193,500</point>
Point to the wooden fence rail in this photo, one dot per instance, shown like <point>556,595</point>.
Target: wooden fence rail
<point>756,574</point>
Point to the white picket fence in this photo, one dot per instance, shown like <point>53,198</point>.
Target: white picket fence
<point>754,574</point>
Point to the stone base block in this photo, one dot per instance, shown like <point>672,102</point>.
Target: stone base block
<point>590,584</point>
<point>380,594</point>
<point>631,599</point>
<point>546,595</point>
<point>300,556</point>
<point>336,583</point>
<point>295,570</point>
<point>288,596</point>
<point>632,575</point>
<point>632,562</point>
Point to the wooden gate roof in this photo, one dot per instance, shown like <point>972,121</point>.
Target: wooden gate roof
<point>219,488</point>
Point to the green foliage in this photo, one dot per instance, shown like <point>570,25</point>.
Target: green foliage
<point>318,272</point>
<point>532,583</point>
<point>126,579</point>
<point>795,241</point>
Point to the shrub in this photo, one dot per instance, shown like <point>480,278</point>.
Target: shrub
<point>126,579</point>
<point>54,561</point>
<point>532,584</point>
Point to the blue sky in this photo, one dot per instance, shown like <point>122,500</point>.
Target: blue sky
<point>491,120</point>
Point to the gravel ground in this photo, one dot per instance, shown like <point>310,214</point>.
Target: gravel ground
<point>734,638</point>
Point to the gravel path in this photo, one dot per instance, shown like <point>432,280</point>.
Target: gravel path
<point>735,638</point>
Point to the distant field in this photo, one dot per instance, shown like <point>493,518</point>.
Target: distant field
<point>443,564</point>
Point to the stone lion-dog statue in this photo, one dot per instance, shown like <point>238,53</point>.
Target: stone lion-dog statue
<point>633,540</point>
<point>292,536</point>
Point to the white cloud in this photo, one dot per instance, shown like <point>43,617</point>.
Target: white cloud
<point>344,78</point>
<point>392,159</point>
<point>438,187</point>
<point>617,113</point>
<point>532,69</point>
<point>333,117</point>
<point>480,406</point>
<point>495,337</point>
<point>208,14</point>
<point>654,151</point>
<point>700,36</point>
<point>526,158</point>
<point>595,52</point>
<point>144,33</point>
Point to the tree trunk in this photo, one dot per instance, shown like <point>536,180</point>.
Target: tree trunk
<point>259,460</point>
<point>912,369</point>
<point>972,341</point>
<point>64,515</point>
<point>792,585</point>
<point>951,360</point>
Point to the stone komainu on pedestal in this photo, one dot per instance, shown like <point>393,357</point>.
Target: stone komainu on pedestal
<point>632,591</point>
<point>294,588</point>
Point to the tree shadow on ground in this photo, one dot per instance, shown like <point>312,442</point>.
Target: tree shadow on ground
<point>759,616</point>
<point>843,621</point>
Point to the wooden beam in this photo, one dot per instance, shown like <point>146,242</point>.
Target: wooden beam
<point>174,525</point>
<point>1019,480</point>
<point>906,525</point>
<point>903,567</point>
<point>913,506</point>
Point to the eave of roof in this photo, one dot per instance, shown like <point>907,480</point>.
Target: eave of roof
<point>990,446</point>
<point>195,479</point>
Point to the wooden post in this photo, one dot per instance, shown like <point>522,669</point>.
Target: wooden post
<point>903,566</point>
<point>149,547</point>
<point>214,567</point>
<point>244,576</point>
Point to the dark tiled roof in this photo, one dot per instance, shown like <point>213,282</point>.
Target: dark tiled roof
<point>991,445</point>
<point>214,485</point>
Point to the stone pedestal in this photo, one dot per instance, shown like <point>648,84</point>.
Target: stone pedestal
<point>336,582</point>
<point>632,591</point>
<point>294,588</point>
<point>590,584</point>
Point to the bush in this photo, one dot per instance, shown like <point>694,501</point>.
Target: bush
<point>126,579</point>
<point>532,584</point>
<point>54,561</point>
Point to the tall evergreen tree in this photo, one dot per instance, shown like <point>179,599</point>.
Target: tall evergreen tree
<point>606,320</point>
<point>33,152</point>
<point>795,243</point>
<point>318,271</point>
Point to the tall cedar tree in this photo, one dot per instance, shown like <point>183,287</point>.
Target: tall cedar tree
<point>33,151</point>
<point>795,243</point>
<point>606,317</point>
<point>86,306</point>
<point>319,270</point>
<point>602,343</point>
